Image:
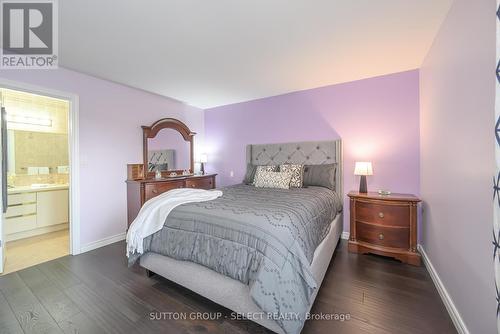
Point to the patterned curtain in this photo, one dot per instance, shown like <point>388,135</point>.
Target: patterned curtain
<point>496,179</point>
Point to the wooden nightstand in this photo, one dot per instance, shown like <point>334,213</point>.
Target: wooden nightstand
<point>384,225</point>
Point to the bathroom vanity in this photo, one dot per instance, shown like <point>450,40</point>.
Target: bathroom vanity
<point>36,209</point>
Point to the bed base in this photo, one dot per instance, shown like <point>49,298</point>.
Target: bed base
<point>231,293</point>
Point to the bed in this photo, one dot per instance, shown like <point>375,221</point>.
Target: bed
<point>256,251</point>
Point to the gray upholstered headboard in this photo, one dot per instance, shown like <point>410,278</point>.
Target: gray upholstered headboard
<point>307,153</point>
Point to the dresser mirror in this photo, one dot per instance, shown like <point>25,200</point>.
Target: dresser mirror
<point>168,148</point>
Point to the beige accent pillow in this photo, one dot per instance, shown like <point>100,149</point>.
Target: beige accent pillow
<point>258,169</point>
<point>297,174</point>
<point>279,180</point>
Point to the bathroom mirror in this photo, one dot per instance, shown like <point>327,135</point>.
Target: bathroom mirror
<point>168,148</point>
<point>37,153</point>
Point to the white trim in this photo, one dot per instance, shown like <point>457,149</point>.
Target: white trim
<point>103,242</point>
<point>445,296</point>
<point>345,235</point>
<point>74,152</point>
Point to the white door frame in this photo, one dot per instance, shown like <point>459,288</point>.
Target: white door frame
<point>74,155</point>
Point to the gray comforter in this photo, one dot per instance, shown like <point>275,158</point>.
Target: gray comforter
<point>264,238</point>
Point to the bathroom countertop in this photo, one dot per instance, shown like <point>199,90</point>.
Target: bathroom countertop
<point>31,189</point>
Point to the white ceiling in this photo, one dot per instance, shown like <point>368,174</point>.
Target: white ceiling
<point>211,53</point>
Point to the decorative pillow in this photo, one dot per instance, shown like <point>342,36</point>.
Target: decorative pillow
<point>250,174</point>
<point>297,174</point>
<point>259,169</point>
<point>265,179</point>
<point>320,175</point>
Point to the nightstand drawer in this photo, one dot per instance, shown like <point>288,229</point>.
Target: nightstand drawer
<point>383,214</point>
<point>395,237</point>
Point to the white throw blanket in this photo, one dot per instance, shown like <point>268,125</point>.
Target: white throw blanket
<point>154,212</point>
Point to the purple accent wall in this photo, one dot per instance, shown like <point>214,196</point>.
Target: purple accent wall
<point>377,119</point>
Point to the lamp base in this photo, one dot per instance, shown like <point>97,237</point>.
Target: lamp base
<point>202,168</point>
<point>362,185</point>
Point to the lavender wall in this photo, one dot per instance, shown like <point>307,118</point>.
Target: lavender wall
<point>377,119</point>
<point>110,137</point>
<point>171,139</point>
<point>457,119</point>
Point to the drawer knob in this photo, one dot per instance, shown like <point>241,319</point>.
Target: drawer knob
<point>381,214</point>
<point>381,236</point>
<point>154,191</point>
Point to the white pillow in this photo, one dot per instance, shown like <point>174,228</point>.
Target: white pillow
<point>265,179</point>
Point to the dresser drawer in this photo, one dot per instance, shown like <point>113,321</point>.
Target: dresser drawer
<point>395,237</point>
<point>200,183</point>
<point>383,214</point>
<point>156,188</point>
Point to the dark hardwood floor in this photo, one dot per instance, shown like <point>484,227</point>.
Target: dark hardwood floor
<point>96,293</point>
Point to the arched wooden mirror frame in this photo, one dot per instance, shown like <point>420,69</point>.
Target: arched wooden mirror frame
<point>149,132</point>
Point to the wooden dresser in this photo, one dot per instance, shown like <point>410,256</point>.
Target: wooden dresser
<point>139,191</point>
<point>384,225</point>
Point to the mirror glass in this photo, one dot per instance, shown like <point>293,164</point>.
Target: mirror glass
<point>28,150</point>
<point>168,151</point>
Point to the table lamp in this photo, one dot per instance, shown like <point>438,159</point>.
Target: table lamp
<point>203,161</point>
<point>363,169</point>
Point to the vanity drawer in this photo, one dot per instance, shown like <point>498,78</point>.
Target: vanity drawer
<point>156,188</point>
<point>383,214</point>
<point>20,210</point>
<point>15,199</point>
<point>200,183</point>
<point>19,224</point>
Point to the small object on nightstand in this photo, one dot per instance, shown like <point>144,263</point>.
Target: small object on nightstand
<point>363,169</point>
<point>384,225</point>
<point>384,192</point>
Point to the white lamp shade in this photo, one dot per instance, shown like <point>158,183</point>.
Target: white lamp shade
<point>203,158</point>
<point>363,168</point>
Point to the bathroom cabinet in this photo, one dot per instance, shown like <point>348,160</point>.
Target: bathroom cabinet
<point>36,211</point>
<point>52,208</point>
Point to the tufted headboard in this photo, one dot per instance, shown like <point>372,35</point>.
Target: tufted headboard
<point>307,153</point>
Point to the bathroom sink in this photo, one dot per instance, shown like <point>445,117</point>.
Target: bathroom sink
<point>40,185</point>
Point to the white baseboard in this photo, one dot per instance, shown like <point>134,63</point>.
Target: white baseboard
<point>448,302</point>
<point>35,232</point>
<point>345,235</point>
<point>103,242</point>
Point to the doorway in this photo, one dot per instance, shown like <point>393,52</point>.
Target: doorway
<point>36,223</point>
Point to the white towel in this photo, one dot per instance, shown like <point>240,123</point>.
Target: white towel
<point>43,170</point>
<point>154,212</point>
<point>62,169</point>
<point>32,170</point>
